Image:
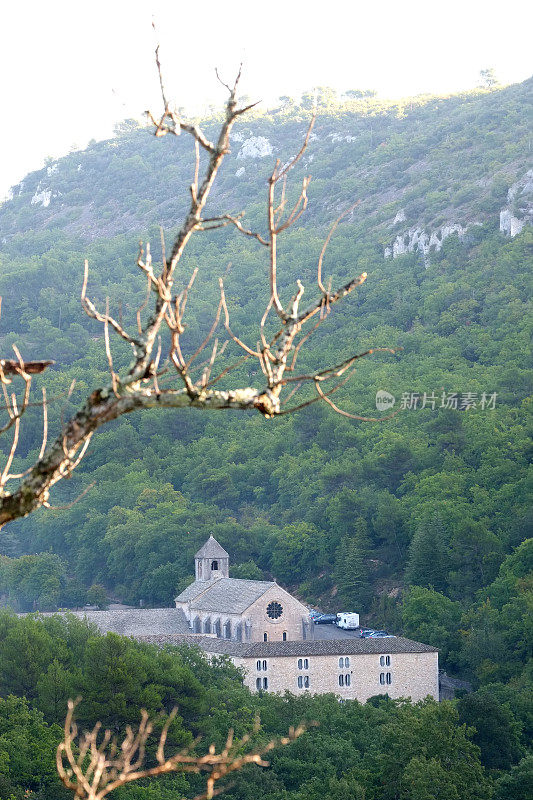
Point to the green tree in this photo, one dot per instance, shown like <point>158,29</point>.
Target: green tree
<point>352,573</point>
<point>428,558</point>
<point>97,596</point>
<point>433,618</point>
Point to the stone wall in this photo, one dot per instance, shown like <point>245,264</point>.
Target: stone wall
<point>413,675</point>
<point>290,622</point>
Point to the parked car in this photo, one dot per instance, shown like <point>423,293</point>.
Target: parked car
<point>313,613</point>
<point>347,620</point>
<point>325,619</point>
<point>365,632</point>
<point>381,635</point>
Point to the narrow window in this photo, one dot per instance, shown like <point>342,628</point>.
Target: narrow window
<point>341,680</point>
<point>300,663</point>
<point>382,661</point>
<point>306,681</point>
<point>265,683</point>
<point>346,662</point>
<point>389,678</point>
<point>387,660</point>
<point>214,565</point>
<point>300,682</point>
<point>284,636</point>
<point>258,683</point>
<point>306,663</point>
<point>341,663</point>
<point>264,665</point>
<point>382,678</point>
<point>258,665</point>
<point>347,680</point>
<point>265,637</point>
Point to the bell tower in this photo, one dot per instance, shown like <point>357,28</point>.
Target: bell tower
<point>211,561</point>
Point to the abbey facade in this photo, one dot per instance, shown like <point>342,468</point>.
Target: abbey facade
<point>239,610</point>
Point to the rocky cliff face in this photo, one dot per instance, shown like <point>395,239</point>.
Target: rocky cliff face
<point>519,209</point>
<point>417,240</point>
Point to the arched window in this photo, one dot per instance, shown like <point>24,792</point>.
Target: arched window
<point>265,683</point>
<point>265,637</point>
<point>347,680</point>
<point>382,661</point>
<point>306,681</point>
<point>387,660</point>
<point>284,636</point>
<point>197,625</point>
<point>306,663</point>
<point>264,665</point>
<point>346,662</point>
<point>258,683</point>
<point>389,678</point>
<point>382,678</point>
<point>214,565</point>
<point>300,682</point>
<point>258,665</point>
<point>207,625</point>
<point>300,663</point>
<point>341,663</point>
<point>341,680</point>
<point>227,629</point>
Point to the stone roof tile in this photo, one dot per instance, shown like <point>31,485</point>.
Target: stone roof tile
<point>310,647</point>
<point>230,595</point>
<point>138,621</point>
<point>211,549</point>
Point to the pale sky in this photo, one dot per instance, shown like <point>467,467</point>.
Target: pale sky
<point>71,70</point>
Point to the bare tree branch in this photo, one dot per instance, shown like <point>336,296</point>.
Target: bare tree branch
<point>93,769</point>
<point>138,387</point>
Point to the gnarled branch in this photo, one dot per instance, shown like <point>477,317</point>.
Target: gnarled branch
<point>93,765</point>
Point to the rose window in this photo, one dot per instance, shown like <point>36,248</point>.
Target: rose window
<point>274,610</point>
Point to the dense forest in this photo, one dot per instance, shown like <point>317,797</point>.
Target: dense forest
<point>419,522</point>
<point>382,750</point>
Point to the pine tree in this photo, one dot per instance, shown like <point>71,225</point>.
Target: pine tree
<point>351,573</point>
<point>428,559</point>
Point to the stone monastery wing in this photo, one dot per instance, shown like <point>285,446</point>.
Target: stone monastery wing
<point>230,595</point>
<point>212,549</point>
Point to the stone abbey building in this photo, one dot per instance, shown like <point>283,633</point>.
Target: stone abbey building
<point>267,633</point>
<point>241,610</point>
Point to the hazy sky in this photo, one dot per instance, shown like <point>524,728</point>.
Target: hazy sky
<point>70,70</point>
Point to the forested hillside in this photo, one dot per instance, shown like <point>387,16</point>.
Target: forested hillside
<point>418,522</point>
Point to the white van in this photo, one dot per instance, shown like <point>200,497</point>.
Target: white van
<point>347,620</point>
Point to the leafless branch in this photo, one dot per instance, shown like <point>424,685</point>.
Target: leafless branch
<point>137,386</point>
<point>93,765</point>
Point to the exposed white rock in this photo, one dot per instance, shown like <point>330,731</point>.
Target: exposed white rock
<point>338,137</point>
<point>519,209</point>
<point>9,195</point>
<point>240,172</point>
<point>237,136</point>
<point>43,197</point>
<point>400,217</point>
<point>417,240</point>
<point>21,187</point>
<point>51,169</point>
<point>255,147</point>
<point>79,167</point>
